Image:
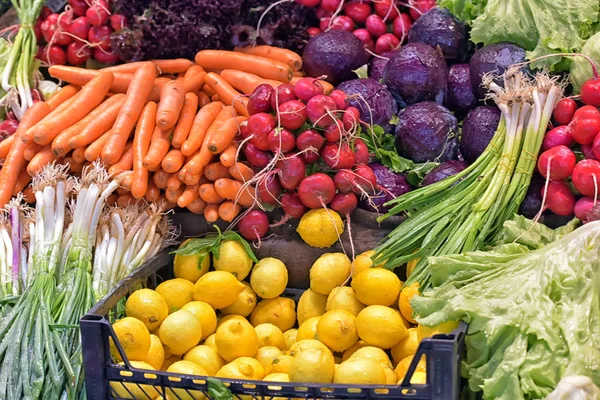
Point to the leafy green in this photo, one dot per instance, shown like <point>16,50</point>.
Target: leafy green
<point>217,390</point>
<point>382,146</point>
<point>531,234</point>
<point>210,245</point>
<point>534,316</point>
<point>362,72</point>
<point>581,70</point>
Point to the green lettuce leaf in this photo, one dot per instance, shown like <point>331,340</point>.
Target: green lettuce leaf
<point>531,234</point>
<point>581,70</point>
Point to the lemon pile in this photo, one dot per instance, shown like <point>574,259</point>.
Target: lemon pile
<point>353,326</point>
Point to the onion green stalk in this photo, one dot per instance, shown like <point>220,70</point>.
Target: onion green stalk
<point>462,213</point>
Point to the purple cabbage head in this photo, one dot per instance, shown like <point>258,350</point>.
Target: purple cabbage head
<point>393,185</point>
<point>443,171</point>
<point>479,126</point>
<point>438,28</point>
<point>493,58</point>
<point>460,96</point>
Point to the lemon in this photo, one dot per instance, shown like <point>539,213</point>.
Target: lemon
<point>236,338</point>
<point>277,377</point>
<point>205,314</point>
<point>176,292</point>
<point>266,356</point>
<point>373,353</point>
<point>226,318</point>
<point>233,258</point>
<point>376,286</point>
<point>186,368</point>
<point>210,341</point>
<point>169,361</point>
<point>310,305</point>
<point>445,327</point>
<point>305,344</point>
<point>337,329</point>
<point>390,375</point>
<point>190,267</point>
<point>290,336</point>
<point>217,288</point>
<point>320,228</point>
<point>242,368</point>
<point>363,261</point>
<point>282,363</point>
<point>405,322</point>
<point>360,371</point>
<point>244,304</point>
<point>279,311</point>
<point>269,278</point>
<point>148,306</point>
<point>308,330</point>
<point>404,302</point>
<point>343,298</point>
<point>380,326</point>
<point>418,378</point>
<point>348,352</point>
<point>312,365</point>
<point>329,271</point>
<point>156,353</point>
<point>270,335</point>
<point>132,390</point>
<point>407,346</point>
<point>180,332</point>
<point>207,357</point>
<point>404,364</point>
<point>134,338</point>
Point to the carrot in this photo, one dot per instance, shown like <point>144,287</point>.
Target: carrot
<point>189,195</point>
<point>299,74</point>
<point>275,53</point>
<point>112,199</point>
<point>74,166</point>
<point>159,147</point>
<point>228,210</point>
<point>228,156</point>
<point>62,95</point>
<point>173,161</point>
<point>208,90</point>
<point>215,98</point>
<point>40,160</point>
<point>172,97</point>
<point>173,183</point>
<point>153,192</point>
<point>227,93</point>
<point>208,193</point>
<point>126,181</point>
<point>227,132</point>
<point>141,143</point>
<point>232,190</point>
<point>193,79</point>
<point>216,170</point>
<point>160,179</point>
<point>245,81</point>
<point>5,146</point>
<point>123,164</point>
<point>327,87</point>
<point>190,179</point>
<point>211,213</point>
<point>261,66</point>
<point>28,195</point>
<point>197,206</point>
<point>125,200</point>
<point>241,172</point>
<point>173,66</point>
<point>31,150</point>
<point>202,122</point>
<point>135,99</point>
<point>23,180</point>
<point>173,195</point>
<point>94,150</point>
<point>78,155</point>
<point>186,120</point>
<point>203,99</point>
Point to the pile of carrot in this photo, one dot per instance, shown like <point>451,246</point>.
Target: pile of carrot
<point>171,126</point>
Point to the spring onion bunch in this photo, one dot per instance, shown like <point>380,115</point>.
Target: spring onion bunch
<point>462,213</point>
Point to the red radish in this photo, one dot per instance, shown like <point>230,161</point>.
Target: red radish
<point>260,99</point>
<point>10,115</point>
<point>585,129</point>
<point>281,141</point>
<point>361,151</point>
<point>53,33</point>
<point>105,56</point>
<point>308,3</point>
<point>80,28</point>
<point>321,13</point>
<point>324,23</point>
<point>7,128</point>
<point>291,171</point>
<point>98,13</point>
<point>590,92</point>
<point>313,31</point>
<point>36,95</point>
<point>559,198</point>
<point>55,55</point>
<point>269,190</point>
<point>401,25</point>
<point>588,151</point>
<point>330,5</point>
<point>259,126</point>
<point>351,118</point>
<point>78,53</point>
<point>334,132</point>
<point>100,36</point>
<point>363,35</point>
<point>385,9</point>
<point>307,139</point>
<point>254,225</point>
<point>339,97</point>
<point>316,190</point>
<point>45,12</point>
<point>306,88</point>
<point>244,130</point>
<point>282,94</point>
<point>561,135</point>
<point>256,156</point>
<point>357,11</point>
<point>38,30</point>
<point>586,112</point>
<point>292,205</point>
<point>583,207</point>
<point>342,23</point>
<point>375,25</point>
<point>564,110</point>
<point>344,203</point>
<point>320,110</point>
<point>586,177</point>
<point>292,114</point>
<point>118,22</point>
<point>365,180</point>
<point>344,180</point>
<point>420,7</point>
<point>386,42</point>
<point>596,146</point>
<point>79,7</point>
<point>338,156</point>
<point>557,163</point>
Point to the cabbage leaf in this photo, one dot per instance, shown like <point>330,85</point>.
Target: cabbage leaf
<point>581,70</point>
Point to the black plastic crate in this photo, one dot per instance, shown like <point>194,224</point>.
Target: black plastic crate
<point>443,357</point>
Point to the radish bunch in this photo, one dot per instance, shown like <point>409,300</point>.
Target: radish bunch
<point>304,147</point>
<point>79,33</point>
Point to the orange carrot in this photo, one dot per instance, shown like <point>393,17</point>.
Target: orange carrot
<point>78,155</point>
<point>211,213</point>
<point>228,156</point>
<point>40,160</point>
<point>193,79</point>
<point>94,150</point>
<point>227,93</point>
<point>275,53</point>
<point>227,132</point>
<point>299,74</point>
<point>203,99</point>
<point>160,179</point>
<point>197,206</point>
<point>190,179</point>
<point>228,210</point>
<point>208,90</point>
<point>141,143</point>
<point>22,181</point>
<point>173,195</point>
<point>208,193</point>
<point>125,163</point>
<point>112,199</point>
<point>188,196</point>
<point>216,170</point>
<point>186,119</point>
<point>62,95</point>
<point>31,150</point>
<point>173,161</point>
<point>173,66</point>
<point>204,119</point>
<point>125,200</point>
<point>126,180</point>
<point>172,97</point>
<point>327,87</point>
<point>215,98</point>
<point>135,99</point>
<point>241,172</point>
<point>5,146</point>
<point>264,67</point>
<point>153,192</point>
<point>28,195</point>
<point>74,166</point>
<point>173,183</point>
<point>159,147</point>
<point>245,81</point>
<point>232,190</point>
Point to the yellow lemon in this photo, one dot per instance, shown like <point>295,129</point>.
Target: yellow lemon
<point>266,356</point>
<point>306,344</point>
<point>410,266</point>
<point>310,305</point>
<point>269,278</point>
<point>156,353</point>
<point>210,341</point>
<point>337,329</point>
<point>134,338</point>
<point>236,338</point>
<point>217,288</point>
<point>404,364</point>
<point>320,228</point>
<point>244,304</point>
<point>343,298</point>
<point>312,365</point>
<point>360,371</point>
<point>418,378</point>
<point>233,258</point>
<point>186,368</point>
<point>279,311</point>
<point>282,363</point>
<point>390,375</point>
<point>169,361</point>
<point>404,302</point>
<point>277,377</point>
<point>270,335</point>
<point>376,286</point>
<point>207,357</point>
<point>308,330</point>
<point>380,326</point>
<point>405,322</point>
<point>290,336</point>
<point>148,306</point>
<point>348,352</point>
<point>363,261</point>
<point>226,318</point>
<point>329,271</point>
<point>242,368</point>
<point>176,292</point>
<point>190,267</point>
<point>180,332</point>
<point>373,353</point>
<point>205,314</point>
<point>407,346</point>
<point>132,390</point>
<point>445,327</point>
